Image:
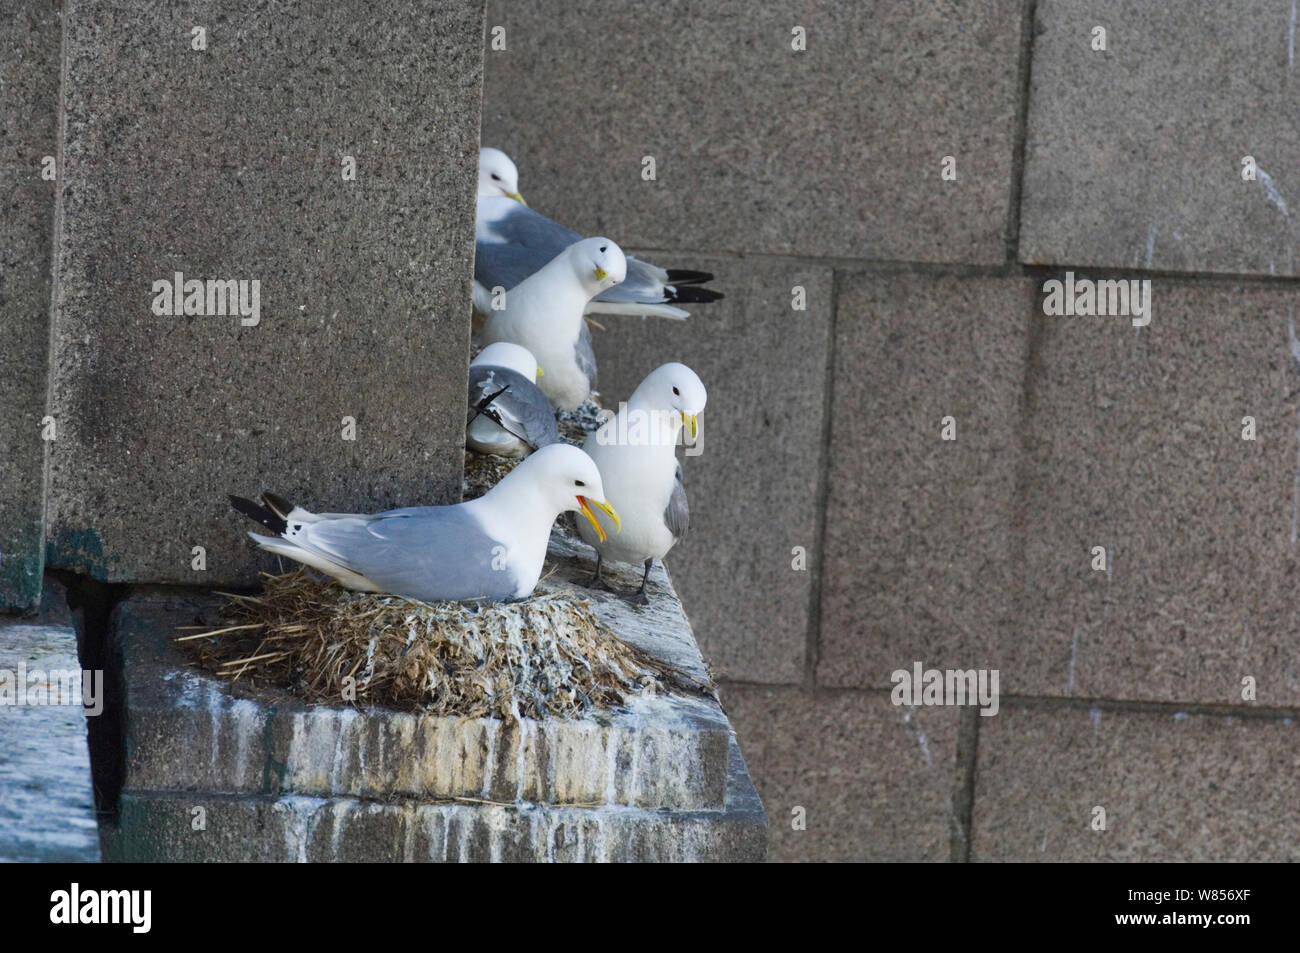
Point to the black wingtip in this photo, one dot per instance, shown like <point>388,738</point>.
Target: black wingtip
<point>259,514</point>
<point>684,276</point>
<point>692,295</point>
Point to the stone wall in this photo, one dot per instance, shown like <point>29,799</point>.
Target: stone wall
<point>822,168</point>
<point>314,169</point>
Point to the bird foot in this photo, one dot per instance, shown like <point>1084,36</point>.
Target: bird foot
<point>638,598</point>
<point>597,582</point>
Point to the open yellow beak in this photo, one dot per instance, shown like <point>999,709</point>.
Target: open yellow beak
<point>586,505</point>
<point>601,273</point>
<point>517,197</point>
<point>689,421</point>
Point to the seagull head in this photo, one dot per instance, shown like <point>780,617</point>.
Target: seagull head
<point>674,387</point>
<point>513,356</point>
<point>497,175</point>
<point>599,263</point>
<point>570,481</point>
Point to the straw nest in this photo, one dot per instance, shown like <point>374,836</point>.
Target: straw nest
<point>548,656</point>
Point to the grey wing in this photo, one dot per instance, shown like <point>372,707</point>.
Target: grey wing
<point>677,515</point>
<point>524,241</point>
<point>523,410</point>
<point>500,265</point>
<point>419,552</point>
<point>585,356</point>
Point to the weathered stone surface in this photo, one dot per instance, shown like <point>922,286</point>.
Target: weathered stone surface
<point>832,151</point>
<point>919,529</point>
<point>1175,787</point>
<point>188,731</point>
<point>29,91</point>
<point>1134,443</point>
<point>47,801</point>
<point>229,176</point>
<point>1133,155</point>
<point>876,781</point>
<point>753,485</point>
<point>159,827</point>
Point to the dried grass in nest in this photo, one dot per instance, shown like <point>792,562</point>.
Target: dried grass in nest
<point>483,471</point>
<point>548,656</point>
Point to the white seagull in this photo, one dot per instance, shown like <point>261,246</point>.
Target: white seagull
<point>489,548</point>
<point>543,313</point>
<point>512,241</point>
<point>636,453</point>
<point>509,415</point>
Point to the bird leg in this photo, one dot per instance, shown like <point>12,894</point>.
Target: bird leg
<point>639,597</point>
<point>596,581</point>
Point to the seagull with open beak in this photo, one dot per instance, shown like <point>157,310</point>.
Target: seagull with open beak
<point>636,453</point>
<point>490,548</point>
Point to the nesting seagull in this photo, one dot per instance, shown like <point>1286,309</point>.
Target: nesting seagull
<point>512,241</point>
<point>509,415</point>
<point>636,453</point>
<point>543,313</point>
<point>492,547</point>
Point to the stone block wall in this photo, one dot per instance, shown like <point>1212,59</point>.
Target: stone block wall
<point>823,168</point>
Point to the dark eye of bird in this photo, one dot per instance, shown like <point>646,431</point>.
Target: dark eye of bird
<point>495,176</point>
<point>676,392</point>
<point>578,483</point>
<point>604,247</point>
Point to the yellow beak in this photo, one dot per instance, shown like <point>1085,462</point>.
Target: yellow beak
<point>586,504</point>
<point>517,197</point>
<point>539,370</point>
<point>689,421</point>
<point>601,273</point>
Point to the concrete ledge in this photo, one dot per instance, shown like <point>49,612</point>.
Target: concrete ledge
<point>306,829</point>
<point>188,731</point>
<point>282,780</point>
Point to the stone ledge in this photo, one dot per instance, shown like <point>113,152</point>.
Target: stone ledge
<point>242,829</point>
<point>665,751</point>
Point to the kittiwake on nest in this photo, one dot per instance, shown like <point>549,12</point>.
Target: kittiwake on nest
<point>509,416</point>
<point>548,656</point>
<point>492,547</point>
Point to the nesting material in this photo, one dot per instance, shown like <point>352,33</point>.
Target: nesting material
<point>576,424</point>
<point>548,656</point>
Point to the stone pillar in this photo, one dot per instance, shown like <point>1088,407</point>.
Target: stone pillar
<point>317,164</point>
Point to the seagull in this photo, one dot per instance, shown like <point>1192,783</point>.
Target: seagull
<point>509,415</point>
<point>490,548</point>
<point>636,452</point>
<point>543,313</point>
<point>512,241</point>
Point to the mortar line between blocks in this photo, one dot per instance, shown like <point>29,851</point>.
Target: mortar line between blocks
<point>955,269</point>
<point>963,788</point>
<point>812,636</point>
<point>1020,132</point>
<point>1057,702</point>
